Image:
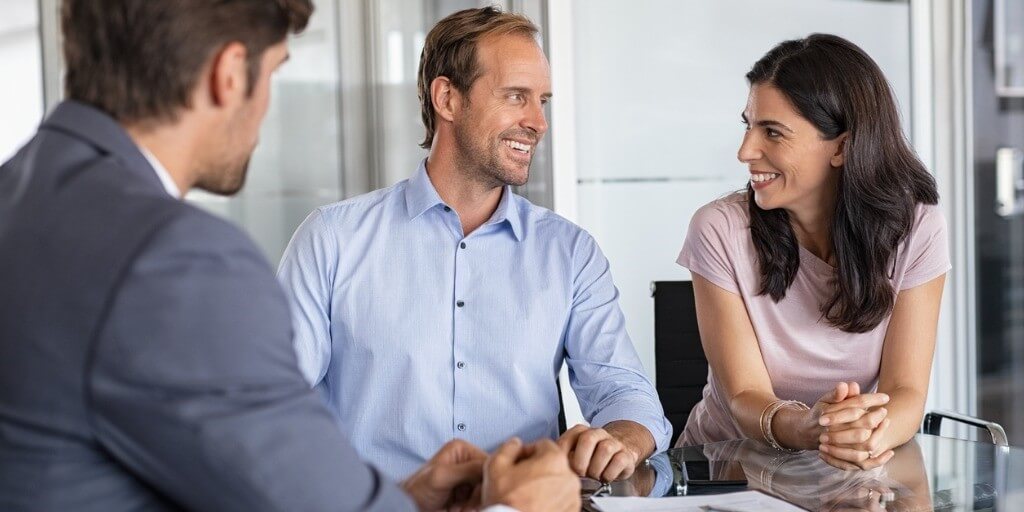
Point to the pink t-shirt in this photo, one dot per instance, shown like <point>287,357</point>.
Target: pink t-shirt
<point>804,355</point>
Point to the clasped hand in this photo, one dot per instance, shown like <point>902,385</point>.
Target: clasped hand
<point>597,453</point>
<point>534,477</point>
<point>852,427</point>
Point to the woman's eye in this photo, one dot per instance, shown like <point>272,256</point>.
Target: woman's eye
<point>771,133</point>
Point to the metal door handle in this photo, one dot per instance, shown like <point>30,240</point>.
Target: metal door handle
<point>1009,181</point>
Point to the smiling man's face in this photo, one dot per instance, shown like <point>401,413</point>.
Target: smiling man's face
<point>498,128</point>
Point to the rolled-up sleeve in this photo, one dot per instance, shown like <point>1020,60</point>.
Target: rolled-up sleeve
<point>604,368</point>
<point>307,274</point>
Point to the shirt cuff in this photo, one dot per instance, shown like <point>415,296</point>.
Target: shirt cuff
<point>664,475</point>
<point>638,410</point>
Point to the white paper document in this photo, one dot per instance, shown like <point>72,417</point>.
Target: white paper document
<point>745,501</point>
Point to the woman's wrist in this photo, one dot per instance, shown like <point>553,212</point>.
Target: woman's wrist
<point>796,428</point>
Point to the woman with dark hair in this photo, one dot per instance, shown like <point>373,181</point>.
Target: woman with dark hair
<point>823,279</point>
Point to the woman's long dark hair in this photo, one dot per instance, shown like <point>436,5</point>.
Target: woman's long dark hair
<point>839,89</point>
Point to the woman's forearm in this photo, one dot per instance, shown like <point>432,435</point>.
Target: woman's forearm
<point>746,407</point>
<point>791,427</point>
<point>905,411</point>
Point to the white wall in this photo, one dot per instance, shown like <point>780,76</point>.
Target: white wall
<point>21,80</point>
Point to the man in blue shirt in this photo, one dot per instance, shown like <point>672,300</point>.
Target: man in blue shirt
<point>443,307</point>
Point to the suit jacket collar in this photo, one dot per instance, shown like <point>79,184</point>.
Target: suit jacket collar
<point>103,132</point>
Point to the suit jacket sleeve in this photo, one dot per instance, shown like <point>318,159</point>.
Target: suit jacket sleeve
<point>193,384</point>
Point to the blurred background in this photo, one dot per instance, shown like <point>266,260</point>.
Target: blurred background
<point>644,130</point>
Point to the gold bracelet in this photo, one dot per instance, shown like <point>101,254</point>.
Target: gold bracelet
<point>764,435</point>
<point>779,404</point>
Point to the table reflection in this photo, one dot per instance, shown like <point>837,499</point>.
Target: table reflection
<point>928,473</point>
<point>805,480</point>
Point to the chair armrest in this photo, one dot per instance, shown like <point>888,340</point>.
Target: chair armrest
<point>933,421</point>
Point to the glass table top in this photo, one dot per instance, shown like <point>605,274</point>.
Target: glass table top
<point>928,473</point>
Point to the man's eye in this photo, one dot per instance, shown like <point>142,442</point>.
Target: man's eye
<point>515,96</point>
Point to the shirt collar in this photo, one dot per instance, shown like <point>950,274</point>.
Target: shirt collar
<point>420,196</point>
<point>97,128</point>
<point>508,212</point>
<point>161,172</point>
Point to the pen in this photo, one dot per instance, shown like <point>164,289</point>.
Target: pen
<point>717,508</point>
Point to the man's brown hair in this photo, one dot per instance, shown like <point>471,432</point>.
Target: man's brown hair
<point>450,51</point>
<point>139,60</point>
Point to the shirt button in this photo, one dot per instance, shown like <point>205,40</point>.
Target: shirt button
<point>447,208</point>
<point>462,426</point>
<point>460,365</point>
<point>460,303</point>
<point>463,245</point>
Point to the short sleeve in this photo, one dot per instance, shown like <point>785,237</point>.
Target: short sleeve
<point>927,248</point>
<point>709,247</point>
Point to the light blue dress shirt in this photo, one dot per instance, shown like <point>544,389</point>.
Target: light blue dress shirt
<point>416,334</point>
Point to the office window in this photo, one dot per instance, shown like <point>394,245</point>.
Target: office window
<point>998,167</point>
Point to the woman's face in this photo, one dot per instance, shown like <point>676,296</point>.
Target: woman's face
<point>791,166</point>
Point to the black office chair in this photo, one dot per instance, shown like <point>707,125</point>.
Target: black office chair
<point>682,368</point>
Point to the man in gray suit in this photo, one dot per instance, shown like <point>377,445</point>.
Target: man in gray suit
<point>145,352</point>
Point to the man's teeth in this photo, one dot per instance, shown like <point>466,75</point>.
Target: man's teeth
<point>518,146</point>
<point>762,177</point>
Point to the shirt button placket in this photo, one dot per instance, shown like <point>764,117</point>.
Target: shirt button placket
<point>459,335</point>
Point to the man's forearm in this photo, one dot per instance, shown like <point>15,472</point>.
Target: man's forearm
<point>634,436</point>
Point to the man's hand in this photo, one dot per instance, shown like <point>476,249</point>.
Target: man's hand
<point>609,453</point>
<point>530,478</point>
<point>454,469</point>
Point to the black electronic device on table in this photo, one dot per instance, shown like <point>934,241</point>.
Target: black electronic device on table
<point>699,473</point>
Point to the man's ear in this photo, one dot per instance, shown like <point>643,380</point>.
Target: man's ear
<point>839,157</point>
<point>229,75</point>
<point>446,98</point>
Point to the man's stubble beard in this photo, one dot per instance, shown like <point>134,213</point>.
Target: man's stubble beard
<point>486,162</point>
<point>227,177</point>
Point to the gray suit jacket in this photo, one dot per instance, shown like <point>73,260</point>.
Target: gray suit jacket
<point>146,360</point>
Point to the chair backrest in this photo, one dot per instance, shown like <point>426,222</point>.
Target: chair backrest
<point>681,369</point>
